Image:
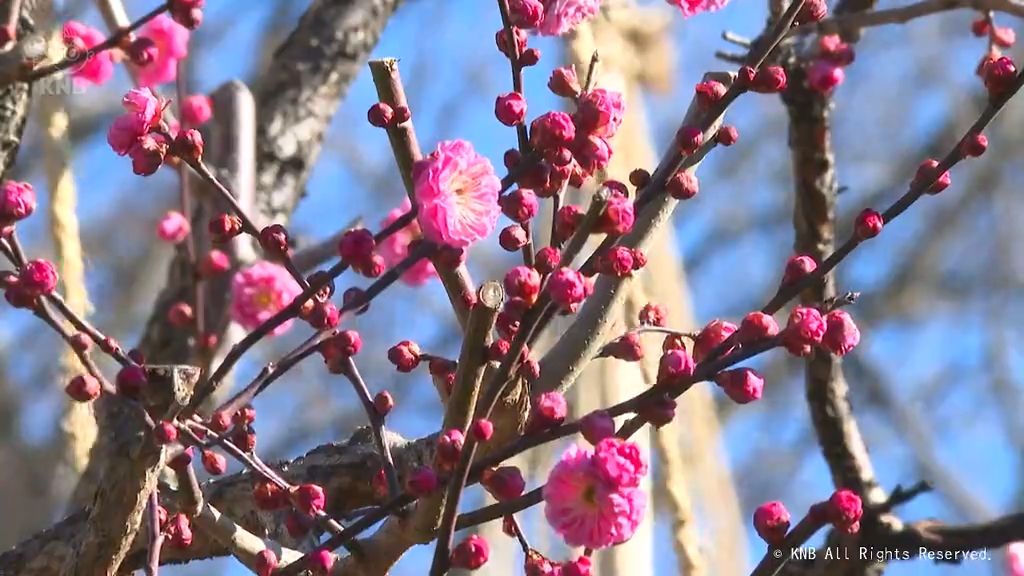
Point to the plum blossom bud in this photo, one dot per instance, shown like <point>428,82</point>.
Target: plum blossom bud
<point>566,287</point>
<point>179,531</point>
<point>811,11</point>
<point>38,278</point>
<point>165,433</point>
<point>265,562</point>
<point>83,388</point>
<point>771,520</point>
<point>224,227</point>
<point>520,205</point>
<point>505,483</point>
<point>769,80</point>
<point>220,421</point>
<point>526,14</point>
<point>324,315</point>
<point>639,178</point>
<point>274,241</point>
<point>564,82</point>
<point>80,342</point>
<point>567,221</point>
<point>841,333</point>
<point>824,75</point>
<point>999,76</point>
<point>449,447</point>
<point>683,185</point>
<point>547,259</point>
<point>180,314</point>
<point>512,238</point>
<point>659,411</point>
<point>599,112</point>
<point>626,347</point>
<point>869,224</point>
<point>805,329</point>
<point>188,145</point>
<point>711,336</point>
<point>926,173</point>
<point>214,263</point>
<point>675,366</point>
<point>597,426</point>
<point>510,108</point>
<point>130,381</point>
<point>741,385</point>
<point>245,416</point>
<point>755,326</point>
<point>402,115</point>
<point>213,462</point>
<point>618,216</point>
<point>245,438</point>
<point>709,93</point>
<point>974,145</point>
<point>308,499</point>
<point>845,510</point>
<point>727,135</point>
<point>482,429</point>
<point>797,267</point>
<point>653,315</point>
<point>173,227</point>
<point>689,139</point>
<point>617,261</point>
<point>547,411</point>
<point>383,403</point>
<point>471,553</point>
<point>148,154</point>
<point>592,153</point>
<point>354,299</point>
<point>551,131</point>
<point>321,562</point>
<point>981,27</point>
<point>380,115</point>
<point>17,201</point>
<point>832,48</point>
<point>269,496</point>
<point>422,481</point>
<point>405,356</point>
<point>356,246</point>
<point>529,57</point>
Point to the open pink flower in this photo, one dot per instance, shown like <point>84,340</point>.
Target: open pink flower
<point>563,16</point>
<point>260,291</point>
<point>94,68</point>
<point>694,7</point>
<point>587,506</point>
<point>457,194</point>
<point>143,111</point>
<point>171,40</point>
<point>395,248</point>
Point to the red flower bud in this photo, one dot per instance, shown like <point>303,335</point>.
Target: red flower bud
<point>597,426</point>
<point>482,430</point>
<point>471,553</point>
<point>505,483</point>
<point>741,385</point>
<point>380,115</point>
<point>224,227</point>
<point>213,462</point>
<point>422,481</point>
<point>771,520</point>
<point>683,185</point>
<point>274,241</point>
<point>165,432</point>
<point>510,108</point>
<point>869,224</point>
<point>405,356</point>
<point>564,82</point>
<point>83,388</point>
<point>308,499</point>
<point>383,403</point>
<point>130,381</point>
